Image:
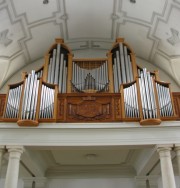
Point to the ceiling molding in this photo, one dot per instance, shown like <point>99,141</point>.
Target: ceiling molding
<point>84,171</point>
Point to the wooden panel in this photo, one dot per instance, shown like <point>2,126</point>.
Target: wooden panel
<point>61,108</point>
<point>117,109</point>
<point>89,107</point>
<point>2,104</point>
<point>110,73</point>
<point>176,100</point>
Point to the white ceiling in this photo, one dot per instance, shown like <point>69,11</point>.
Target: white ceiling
<point>150,27</point>
<point>89,161</point>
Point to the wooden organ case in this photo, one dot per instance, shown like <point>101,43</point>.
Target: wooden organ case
<point>112,89</point>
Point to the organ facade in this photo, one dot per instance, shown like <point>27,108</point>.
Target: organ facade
<point>67,89</point>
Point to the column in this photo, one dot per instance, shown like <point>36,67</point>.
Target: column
<point>13,166</point>
<point>177,150</point>
<point>168,179</point>
<point>2,150</point>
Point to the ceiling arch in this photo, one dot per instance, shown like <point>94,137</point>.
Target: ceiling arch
<point>28,28</point>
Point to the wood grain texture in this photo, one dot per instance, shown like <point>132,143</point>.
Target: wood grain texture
<point>176,100</point>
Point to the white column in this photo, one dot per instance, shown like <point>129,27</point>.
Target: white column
<point>2,150</point>
<point>13,166</point>
<point>168,179</point>
<point>177,150</point>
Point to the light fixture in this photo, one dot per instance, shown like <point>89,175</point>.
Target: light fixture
<point>133,1</point>
<point>91,156</point>
<point>45,1</point>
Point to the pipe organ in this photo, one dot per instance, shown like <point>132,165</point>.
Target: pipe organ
<point>164,99</point>
<point>12,105</point>
<point>147,93</point>
<point>90,76</point>
<point>130,100</point>
<point>30,96</point>
<point>57,67</point>
<point>112,89</point>
<point>122,66</point>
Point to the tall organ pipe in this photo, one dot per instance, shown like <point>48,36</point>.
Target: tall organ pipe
<point>30,97</point>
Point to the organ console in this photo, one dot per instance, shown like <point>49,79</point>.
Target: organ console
<point>67,89</point>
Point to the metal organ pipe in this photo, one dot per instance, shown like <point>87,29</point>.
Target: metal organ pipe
<point>131,102</point>
<point>47,102</point>
<point>164,98</point>
<point>58,64</point>
<point>122,66</point>
<point>57,68</point>
<point>118,70</point>
<point>147,95</point>
<point>127,64</point>
<point>30,97</point>
<point>12,107</point>
<point>123,70</point>
<point>50,70</point>
<point>90,76</point>
<point>116,87</point>
<point>60,82</point>
<point>53,66</point>
<point>130,68</point>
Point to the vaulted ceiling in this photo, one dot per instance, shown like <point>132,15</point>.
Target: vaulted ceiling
<point>28,28</point>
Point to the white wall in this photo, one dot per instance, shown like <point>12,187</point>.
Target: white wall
<point>18,77</point>
<point>92,183</point>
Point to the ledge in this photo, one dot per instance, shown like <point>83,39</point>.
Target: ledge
<point>112,125</point>
<point>96,134</point>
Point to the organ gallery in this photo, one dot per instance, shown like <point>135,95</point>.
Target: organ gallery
<point>67,89</point>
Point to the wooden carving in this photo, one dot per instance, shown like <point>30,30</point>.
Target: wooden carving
<point>89,108</point>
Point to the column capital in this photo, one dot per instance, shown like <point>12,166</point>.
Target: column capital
<point>15,151</point>
<point>177,147</point>
<point>2,148</point>
<point>12,148</point>
<point>159,146</point>
<point>164,149</point>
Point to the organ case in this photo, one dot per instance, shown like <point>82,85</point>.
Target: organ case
<point>67,89</point>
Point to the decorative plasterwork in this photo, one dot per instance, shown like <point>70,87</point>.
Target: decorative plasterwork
<point>149,30</point>
<point>175,37</point>
<point>4,39</point>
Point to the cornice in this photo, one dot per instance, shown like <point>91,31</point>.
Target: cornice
<point>109,134</point>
